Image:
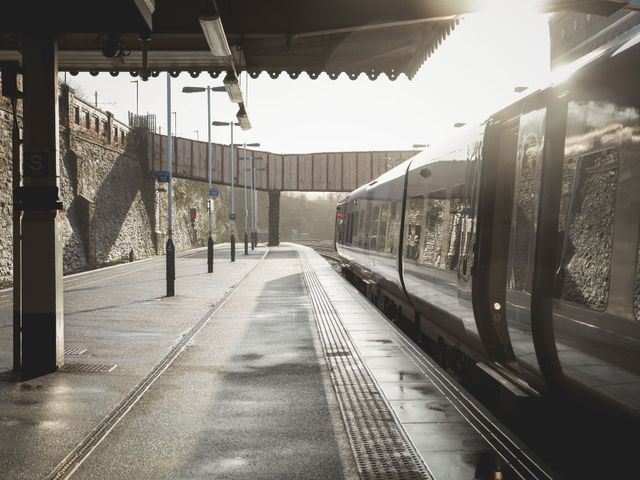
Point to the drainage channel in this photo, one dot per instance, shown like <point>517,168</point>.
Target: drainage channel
<point>80,453</point>
<point>380,445</point>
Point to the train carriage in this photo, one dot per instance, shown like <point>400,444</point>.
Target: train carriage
<point>518,243</point>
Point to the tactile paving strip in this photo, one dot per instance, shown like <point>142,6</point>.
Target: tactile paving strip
<point>88,368</point>
<point>381,448</point>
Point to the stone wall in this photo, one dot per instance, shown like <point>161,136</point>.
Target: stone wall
<point>6,210</point>
<point>112,205</point>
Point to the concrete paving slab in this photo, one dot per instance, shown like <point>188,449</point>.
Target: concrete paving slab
<point>246,399</point>
<point>121,317</point>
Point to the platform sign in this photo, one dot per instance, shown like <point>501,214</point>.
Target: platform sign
<point>213,192</point>
<point>164,176</point>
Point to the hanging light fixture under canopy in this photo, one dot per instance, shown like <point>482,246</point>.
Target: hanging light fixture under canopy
<point>243,118</point>
<point>233,88</point>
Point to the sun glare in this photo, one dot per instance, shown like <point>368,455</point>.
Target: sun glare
<point>510,7</point>
<point>477,69</point>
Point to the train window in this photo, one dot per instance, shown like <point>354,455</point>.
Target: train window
<point>597,245</point>
<point>347,224</point>
<point>375,221</point>
<point>454,228</point>
<point>382,228</point>
<point>350,228</point>
<point>434,230</point>
<point>394,227</point>
<point>355,223</point>
<point>586,224</point>
<point>414,227</point>
<point>346,228</point>
<point>525,199</point>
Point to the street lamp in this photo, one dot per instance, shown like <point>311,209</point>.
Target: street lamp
<point>232,215</point>
<point>136,82</point>
<point>246,210</point>
<point>208,89</point>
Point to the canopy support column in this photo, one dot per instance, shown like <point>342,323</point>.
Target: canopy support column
<point>42,307</point>
<point>274,218</point>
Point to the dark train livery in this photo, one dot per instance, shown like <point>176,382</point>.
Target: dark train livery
<point>518,244</point>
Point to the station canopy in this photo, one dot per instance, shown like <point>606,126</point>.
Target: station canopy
<point>145,37</point>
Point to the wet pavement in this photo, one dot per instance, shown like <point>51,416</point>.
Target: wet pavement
<point>230,379</point>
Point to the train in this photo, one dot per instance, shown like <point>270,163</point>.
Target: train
<point>516,246</point>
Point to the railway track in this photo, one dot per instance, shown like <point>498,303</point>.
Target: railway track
<point>326,248</point>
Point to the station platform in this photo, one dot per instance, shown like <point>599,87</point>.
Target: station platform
<point>272,367</point>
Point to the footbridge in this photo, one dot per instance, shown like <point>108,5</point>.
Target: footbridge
<point>274,172</point>
<point>312,172</point>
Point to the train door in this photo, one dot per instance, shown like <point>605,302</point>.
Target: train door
<point>494,201</point>
<point>525,174</point>
<point>339,225</point>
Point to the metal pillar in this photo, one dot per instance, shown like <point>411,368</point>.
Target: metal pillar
<point>42,301</point>
<point>233,199</point>
<point>209,199</point>
<point>274,218</point>
<point>169,248</point>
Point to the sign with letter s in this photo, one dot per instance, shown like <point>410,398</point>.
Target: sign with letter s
<point>36,164</point>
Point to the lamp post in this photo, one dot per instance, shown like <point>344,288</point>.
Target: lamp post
<point>246,210</point>
<point>175,123</point>
<point>210,241</point>
<point>232,215</point>
<point>169,249</point>
<point>136,82</point>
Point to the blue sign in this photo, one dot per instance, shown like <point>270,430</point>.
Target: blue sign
<point>163,176</point>
<point>213,192</point>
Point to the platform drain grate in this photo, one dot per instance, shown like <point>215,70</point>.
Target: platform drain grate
<point>380,446</point>
<point>74,351</point>
<point>88,368</point>
<point>337,353</point>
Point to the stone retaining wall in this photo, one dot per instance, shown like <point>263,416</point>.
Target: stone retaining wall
<point>112,205</point>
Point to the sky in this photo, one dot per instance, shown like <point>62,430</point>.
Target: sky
<point>471,75</point>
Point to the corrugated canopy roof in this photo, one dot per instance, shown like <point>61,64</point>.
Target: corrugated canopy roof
<point>273,36</point>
